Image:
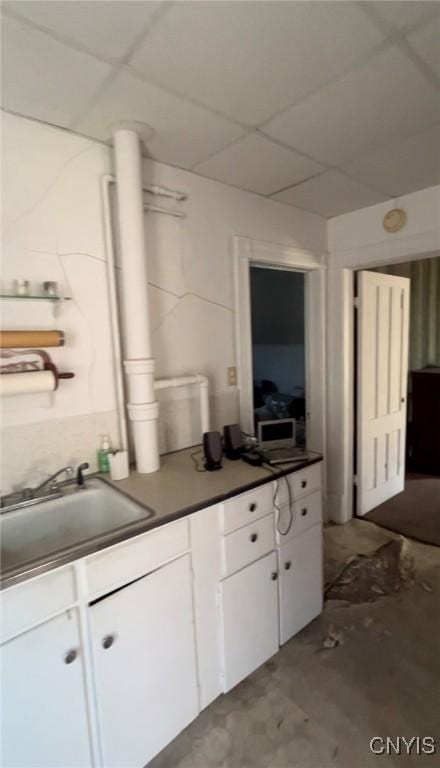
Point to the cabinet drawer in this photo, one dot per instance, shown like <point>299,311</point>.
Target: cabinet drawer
<point>125,562</point>
<point>247,507</point>
<point>29,603</point>
<point>247,544</point>
<point>306,513</point>
<point>301,483</point>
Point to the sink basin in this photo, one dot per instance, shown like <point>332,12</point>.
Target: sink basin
<point>56,527</point>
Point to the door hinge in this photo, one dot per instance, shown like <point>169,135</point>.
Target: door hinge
<point>355,480</point>
<point>356,302</point>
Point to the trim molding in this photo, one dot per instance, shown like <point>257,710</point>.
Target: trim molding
<point>246,252</point>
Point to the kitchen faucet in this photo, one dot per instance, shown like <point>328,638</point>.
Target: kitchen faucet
<point>50,481</point>
<point>48,489</point>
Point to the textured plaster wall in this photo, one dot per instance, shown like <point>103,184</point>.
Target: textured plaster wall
<point>52,230</point>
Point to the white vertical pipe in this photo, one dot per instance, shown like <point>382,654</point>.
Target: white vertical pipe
<point>113,302</point>
<point>139,364</point>
<point>204,402</point>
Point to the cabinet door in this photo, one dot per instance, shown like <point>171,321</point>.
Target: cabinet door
<point>301,585</point>
<point>44,710</point>
<point>145,665</point>
<point>249,618</point>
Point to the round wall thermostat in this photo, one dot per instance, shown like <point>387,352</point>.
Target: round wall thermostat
<point>394,220</point>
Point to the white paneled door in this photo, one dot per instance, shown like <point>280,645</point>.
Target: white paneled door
<point>382,336</point>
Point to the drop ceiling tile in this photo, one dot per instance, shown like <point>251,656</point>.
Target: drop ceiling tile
<point>403,14</point>
<point>248,60</point>
<point>107,29</point>
<point>44,79</point>
<point>183,133</point>
<point>404,167</point>
<point>385,100</point>
<point>330,195</point>
<point>258,165</point>
<point>426,42</point>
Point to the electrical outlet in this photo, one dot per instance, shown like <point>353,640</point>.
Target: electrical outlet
<point>232,376</point>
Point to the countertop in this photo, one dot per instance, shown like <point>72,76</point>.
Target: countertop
<point>180,488</point>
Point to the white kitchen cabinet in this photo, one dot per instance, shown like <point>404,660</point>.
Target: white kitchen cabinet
<point>44,717</point>
<point>300,582</point>
<point>249,619</point>
<point>145,664</point>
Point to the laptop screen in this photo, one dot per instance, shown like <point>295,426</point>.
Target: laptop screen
<point>276,434</point>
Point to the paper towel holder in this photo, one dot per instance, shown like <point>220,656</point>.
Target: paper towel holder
<point>21,369</point>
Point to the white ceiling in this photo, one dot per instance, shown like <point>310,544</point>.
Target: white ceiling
<point>328,106</point>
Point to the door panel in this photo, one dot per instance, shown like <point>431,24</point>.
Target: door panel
<point>301,582</point>
<point>383,322</point>
<point>146,673</point>
<point>249,616</point>
<point>44,713</point>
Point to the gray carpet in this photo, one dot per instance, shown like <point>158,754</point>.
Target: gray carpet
<point>415,512</point>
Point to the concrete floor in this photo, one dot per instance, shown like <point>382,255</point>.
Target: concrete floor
<point>313,706</point>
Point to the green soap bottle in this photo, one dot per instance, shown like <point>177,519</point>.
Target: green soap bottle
<point>105,449</point>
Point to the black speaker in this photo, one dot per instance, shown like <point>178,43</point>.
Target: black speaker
<point>212,446</point>
<point>232,441</point>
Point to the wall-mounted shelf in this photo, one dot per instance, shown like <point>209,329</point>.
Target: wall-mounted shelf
<point>29,297</point>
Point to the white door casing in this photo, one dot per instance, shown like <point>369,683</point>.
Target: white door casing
<point>246,253</point>
<point>382,368</point>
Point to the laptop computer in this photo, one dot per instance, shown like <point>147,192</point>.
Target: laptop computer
<point>277,441</point>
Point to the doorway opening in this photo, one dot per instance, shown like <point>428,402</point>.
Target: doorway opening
<point>277,303</point>
<point>415,510</point>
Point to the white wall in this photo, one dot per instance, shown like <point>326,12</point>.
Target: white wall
<point>357,240</point>
<point>52,230</point>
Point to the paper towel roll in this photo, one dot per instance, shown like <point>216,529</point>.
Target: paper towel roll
<point>31,382</point>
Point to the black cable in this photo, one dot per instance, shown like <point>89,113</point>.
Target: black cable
<point>195,462</point>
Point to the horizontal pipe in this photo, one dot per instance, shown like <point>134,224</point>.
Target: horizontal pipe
<point>155,189</point>
<point>184,381</point>
<point>166,211</point>
<point>181,381</point>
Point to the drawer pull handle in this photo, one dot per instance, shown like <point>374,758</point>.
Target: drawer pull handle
<point>304,511</point>
<point>304,484</point>
<point>274,575</point>
<point>253,537</point>
<point>70,656</point>
<point>287,565</point>
<point>253,506</point>
<point>108,641</point>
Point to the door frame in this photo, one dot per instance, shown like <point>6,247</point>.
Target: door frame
<point>341,361</point>
<point>247,252</point>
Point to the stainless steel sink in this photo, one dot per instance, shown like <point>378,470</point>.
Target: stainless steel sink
<point>79,521</point>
